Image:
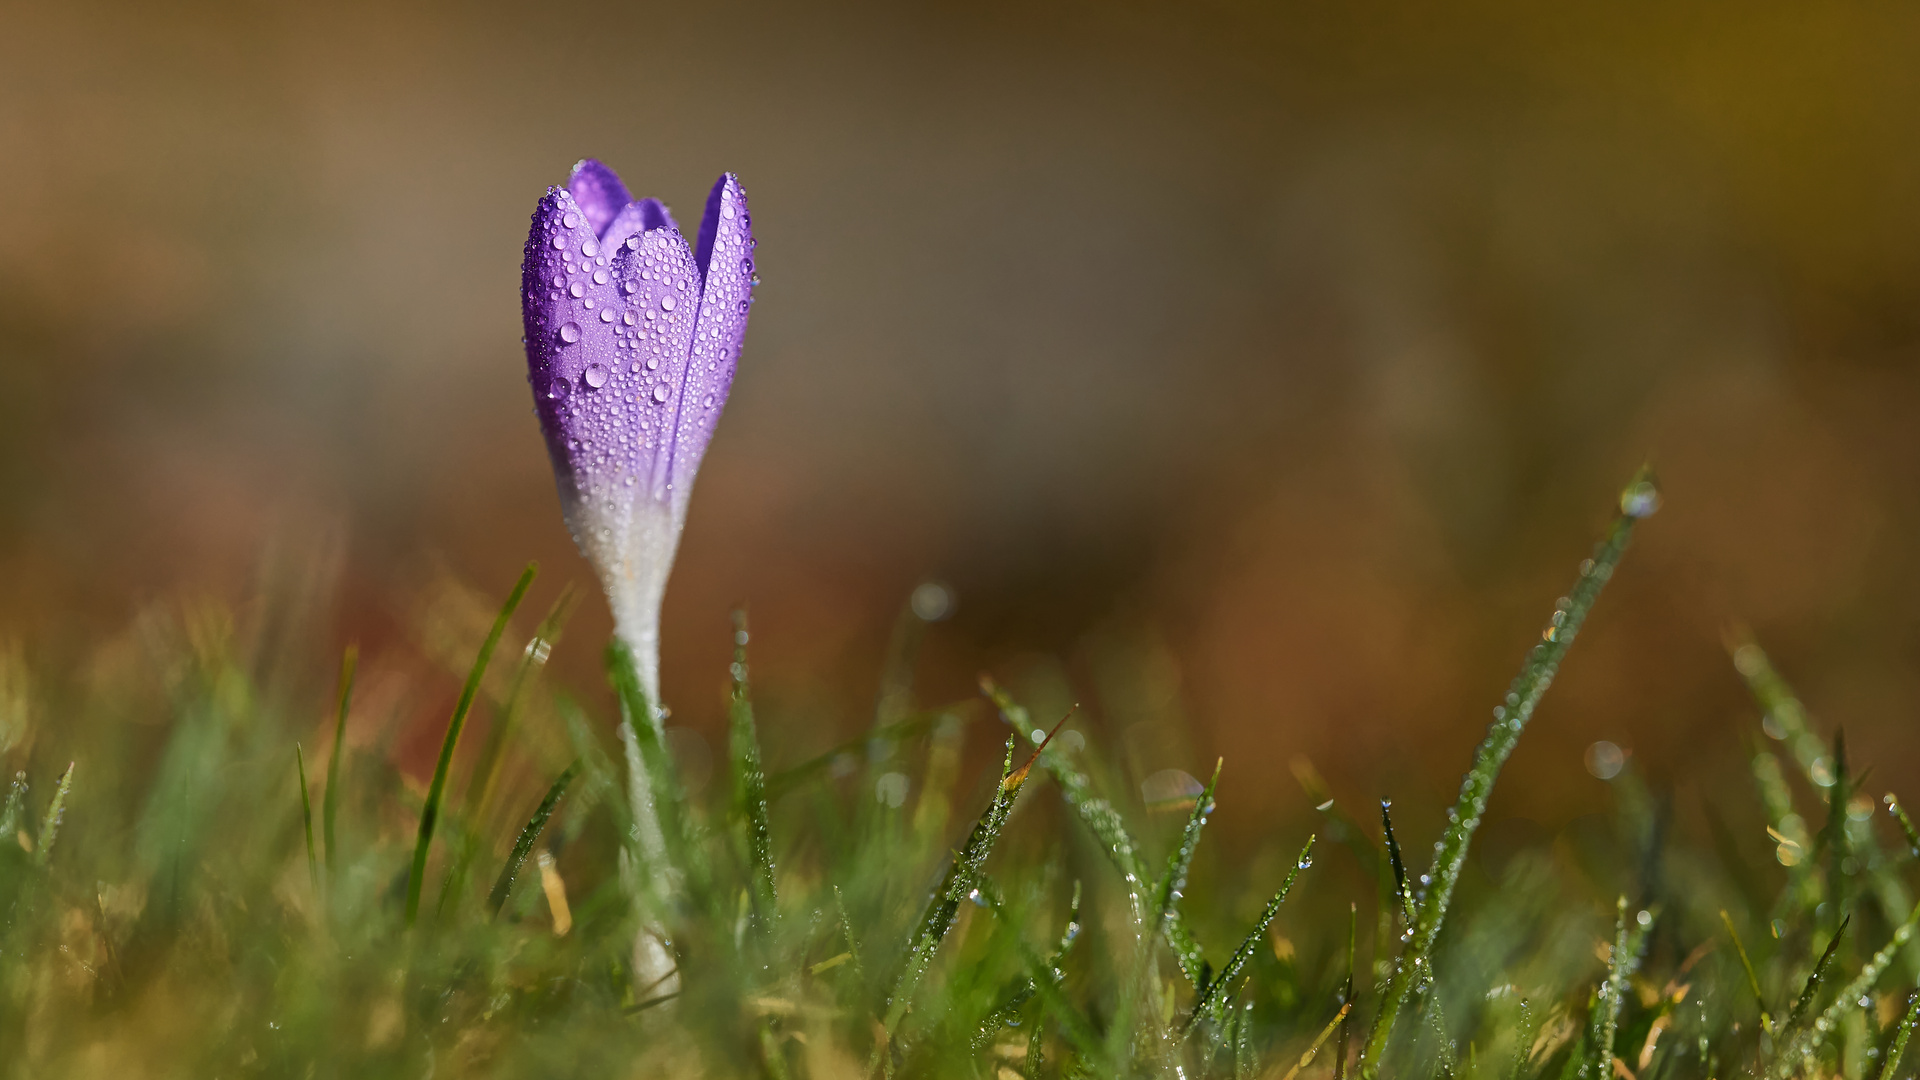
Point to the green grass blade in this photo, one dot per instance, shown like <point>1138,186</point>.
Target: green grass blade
<point>1898,1048</point>
<point>749,780</point>
<point>960,880</point>
<point>1746,965</point>
<point>1509,720</point>
<point>523,844</point>
<point>430,812</point>
<point>1906,824</point>
<point>330,802</point>
<point>1629,937</point>
<point>1215,994</point>
<point>50,824</point>
<point>1812,988</point>
<point>1173,883</point>
<point>1811,1036</point>
<point>1402,896</point>
<point>306,816</point>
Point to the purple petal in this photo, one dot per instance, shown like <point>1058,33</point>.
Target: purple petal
<point>608,333</point>
<point>637,217</point>
<point>599,193</point>
<point>725,260</point>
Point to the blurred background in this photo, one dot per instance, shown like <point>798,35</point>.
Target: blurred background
<point>1254,375</point>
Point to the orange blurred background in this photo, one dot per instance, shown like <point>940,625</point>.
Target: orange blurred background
<point>1254,374</point>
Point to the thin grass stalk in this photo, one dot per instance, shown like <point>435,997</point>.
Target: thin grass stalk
<point>306,816</point>
<point>1637,501</point>
<point>1898,1048</point>
<point>529,834</point>
<point>750,783</point>
<point>436,792</point>
<point>1214,995</point>
<point>330,801</point>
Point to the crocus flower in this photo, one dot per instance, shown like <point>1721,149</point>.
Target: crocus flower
<point>632,340</point>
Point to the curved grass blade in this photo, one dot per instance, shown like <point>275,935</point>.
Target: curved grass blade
<point>1746,965</point>
<point>329,803</point>
<point>430,812</point>
<point>750,780</point>
<point>1215,994</point>
<point>306,816</point>
<point>1906,824</point>
<point>1174,882</point>
<point>1899,1047</point>
<point>523,844</point>
<point>1638,500</point>
<point>50,824</point>
<point>1811,1036</point>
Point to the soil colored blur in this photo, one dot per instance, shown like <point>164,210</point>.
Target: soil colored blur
<point>1254,374</point>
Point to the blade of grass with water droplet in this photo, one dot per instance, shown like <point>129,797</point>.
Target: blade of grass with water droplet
<point>50,824</point>
<point>957,883</point>
<point>1898,1047</point>
<point>1510,719</point>
<point>1402,896</point>
<point>436,791</point>
<point>1819,972</point>
<point>1810,1036</point>
<point>330,802</point>
<point>523,844</point>
<point>1215,993</point>
<point>1174,882</point>
<point>306,816</point>
<point>750,782</point>
<point>1629,937</point>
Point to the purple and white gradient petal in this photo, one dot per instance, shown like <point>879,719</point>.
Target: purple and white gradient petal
<point>632,343</point>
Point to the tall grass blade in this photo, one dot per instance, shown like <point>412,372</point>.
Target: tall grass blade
<point>306,816</point>
<point>1215,994</point>
<point>330,802</point>
<point>1746,965</point>
<point>50,824</point>
<point>960,880</point>
<point>533,659</point>
<point>1898,1048</point>
<point>1637,501</point>
<point>1629,937</point>
<point>750,780</point>
<point>436,792</point>
<point>529,834</point>
<point>1402,896</point>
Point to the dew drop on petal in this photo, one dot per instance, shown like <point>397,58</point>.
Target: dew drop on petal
<point>590,248</point>
<point>599,277</point>
<point>559,242</point>
<point>557,390</point>
<point>596,375</point>
<point>576,290</point>
<point>660,393</point>
<point>571,221</point>
<point>633,243</point>
<point>667,303</point>
<point>726,210</point>
<point>606,314</point>
<point>629,319</point>
<point>570,332</point>
<point>631,286</point>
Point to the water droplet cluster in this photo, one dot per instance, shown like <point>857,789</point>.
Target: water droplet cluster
<point>631,346</point>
